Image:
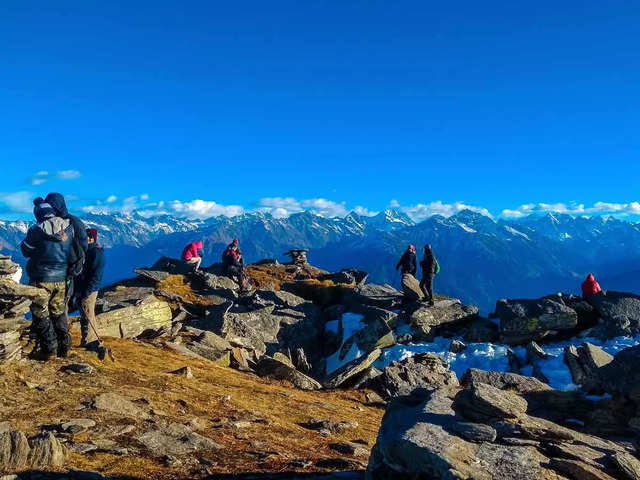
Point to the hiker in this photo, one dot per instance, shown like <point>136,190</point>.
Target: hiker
<point>234,264</point>
<point>429,266</point>
<point>408,261</point>
<point>192,255</point>
<point>86,288</point>
<point>48,246</point>
<point>590,287</point>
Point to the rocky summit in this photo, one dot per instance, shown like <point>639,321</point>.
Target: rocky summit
<point>319,374</point>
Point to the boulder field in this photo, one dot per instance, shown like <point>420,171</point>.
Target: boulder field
<point>211,381</point>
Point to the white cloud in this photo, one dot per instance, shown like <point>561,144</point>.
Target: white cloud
<point>43,176</point>
<point>365,212</point>
<point>422,211</point>
<point>17,202</point>
<point>598,208</point>
<point>203,209</point>
<point>280,207</point>
<point>111,199</point>
<point>144,197</point>
<point>325,208</point>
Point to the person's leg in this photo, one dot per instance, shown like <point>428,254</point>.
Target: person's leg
<point>58,313</point>
<point>423,287</point>
<point>198,262</point>
<point>430,287</point>
<point>88,319</point>
<point>42,327</point>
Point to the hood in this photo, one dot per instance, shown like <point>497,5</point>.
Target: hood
<point>198,245</point>
<point>56,200</point>
<point>42,211</point>
<point>54,226</point>
<point>591,278</point>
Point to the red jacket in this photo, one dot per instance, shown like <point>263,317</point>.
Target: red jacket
<point>590,286</point>
<point>191,250</point>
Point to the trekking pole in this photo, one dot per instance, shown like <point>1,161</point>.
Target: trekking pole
<point>109,352</point>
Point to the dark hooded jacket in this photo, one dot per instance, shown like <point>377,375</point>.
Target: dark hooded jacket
<point>408,263</point>
<point>428,263</point>
<point>56,200</point>
<point>91,277</point>
<point>48,246</point>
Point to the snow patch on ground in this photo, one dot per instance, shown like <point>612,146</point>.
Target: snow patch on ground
<point>351,324</point>
<point>492,357</point>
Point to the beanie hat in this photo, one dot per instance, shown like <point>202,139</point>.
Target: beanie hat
<point>42,210</point>
<point>92,233</point>
<point>235,241</point>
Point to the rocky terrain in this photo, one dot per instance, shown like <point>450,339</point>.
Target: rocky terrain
<point>294,378</point>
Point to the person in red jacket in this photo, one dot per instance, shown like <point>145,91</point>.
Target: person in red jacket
<point>590,286</point>
<point>192,254</point>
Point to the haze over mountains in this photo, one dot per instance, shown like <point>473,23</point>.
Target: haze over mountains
<point>482,259</point>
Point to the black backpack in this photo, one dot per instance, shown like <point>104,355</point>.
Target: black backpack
<point>76,257</point>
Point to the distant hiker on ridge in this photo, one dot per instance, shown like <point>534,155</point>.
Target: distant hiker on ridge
<point>590,287</point>
<point>408,261</point>
<point>430,267</point>
<point>192,255</point>
<point>48,246</point>
<point>234,264</point>
<point>86,287</point>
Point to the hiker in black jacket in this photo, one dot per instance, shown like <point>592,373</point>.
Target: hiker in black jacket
<point>48,246</point>
<point>428,266</point>
<point>408,261</point>
<point>86,288</point>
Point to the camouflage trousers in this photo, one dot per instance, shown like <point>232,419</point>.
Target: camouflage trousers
<point>50,323</point>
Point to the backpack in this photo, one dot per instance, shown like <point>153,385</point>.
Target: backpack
<point>76,257</point>
<point>437,266</point>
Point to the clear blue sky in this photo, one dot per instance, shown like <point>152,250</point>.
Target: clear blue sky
<point>495,104</point>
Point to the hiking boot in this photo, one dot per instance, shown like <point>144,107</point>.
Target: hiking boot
<point>98,349</point>
<point>40,355</point>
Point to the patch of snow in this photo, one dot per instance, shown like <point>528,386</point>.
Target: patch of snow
<point>332,326</point>
<point>513,231</point>
<point>466,228</point>
<point>351,324</point>
<point>334,362</point>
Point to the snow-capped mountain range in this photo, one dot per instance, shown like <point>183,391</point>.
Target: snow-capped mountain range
<point>482,259</point>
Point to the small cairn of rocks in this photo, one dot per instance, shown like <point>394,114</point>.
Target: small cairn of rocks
<point>298,257</point>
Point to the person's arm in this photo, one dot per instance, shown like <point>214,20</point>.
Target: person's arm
<point>400,261</point>
<point>80,232</point>
<point>29,245</point>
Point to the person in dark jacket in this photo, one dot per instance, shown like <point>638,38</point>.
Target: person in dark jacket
<point>56,200</point>
<point>48,246</point>
<point>234,264</point>
<point>428,266</point>
<point>408,261</point>
<point>87,285</point>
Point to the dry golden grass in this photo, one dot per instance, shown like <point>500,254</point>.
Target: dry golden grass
<point>178,285</point>
<point>141,373</point>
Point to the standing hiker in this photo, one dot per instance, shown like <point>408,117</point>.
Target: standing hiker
<point>48,246</point>
<point>86,287</point>
<point>430,267</point>
<point>192,255</point>
<point>590,287</point>
<point>408,261</point>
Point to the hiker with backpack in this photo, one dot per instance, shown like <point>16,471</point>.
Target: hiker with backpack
<point>234,264</point>
<point>192,255</point>
<point>408,261</point>
<point>49,248</point>
<point>430,267</point>
<point>86,288</point>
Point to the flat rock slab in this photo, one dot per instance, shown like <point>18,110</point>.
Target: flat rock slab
<point>129,322</point>
<point>175,439</point>
<point>114,403</point>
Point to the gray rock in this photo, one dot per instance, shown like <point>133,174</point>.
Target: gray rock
<point>503,381</point>
<point>352,369</point>
<point>481,330</point>
<point>619,311</point>
<point>328,425</point>
<point>474,432</point>
<point>154,275</point>
<point>175,439</point>
<point>117,404</point>
<point>584,362</point>
<point>383,296</point>
<point>420,370</point>
<point>445,314</point>
<point>283,370</point>
<point>76,425</point>
<point>622,375</point>
<point>411,288</point>
<point>524,320</point>
<point>40,451</point>
<point>483,402</point>
<point>457,346</point>
<point>628,465</point>
<point>78,368</point>
<point>183,372</point>
<point>578,470</point>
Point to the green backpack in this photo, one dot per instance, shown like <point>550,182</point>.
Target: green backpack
<point>437,267</point>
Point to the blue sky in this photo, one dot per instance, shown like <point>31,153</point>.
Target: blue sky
<point>326,105</point>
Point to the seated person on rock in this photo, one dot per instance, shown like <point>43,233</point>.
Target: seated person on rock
<point>48,246</point>
<point>86,288</point>
<point>590,287</point>
<point>192,255</point>
<point>234,264</point>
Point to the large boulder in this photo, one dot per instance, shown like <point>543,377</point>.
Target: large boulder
<point>423,438</point>
<point>584,362</point>
<point>522,321</point>
<point>421,370</point>
<point>503,381</point>
<point>622,375</point>
<point>352,370</point>
<point>620,313</point>
<point>383,296</point>
<point>42,451</point>
<point>281,368</point>
<point>411,288</point>
<point>148,314</point>
<point>350,276</point>
<point>446,313</point>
